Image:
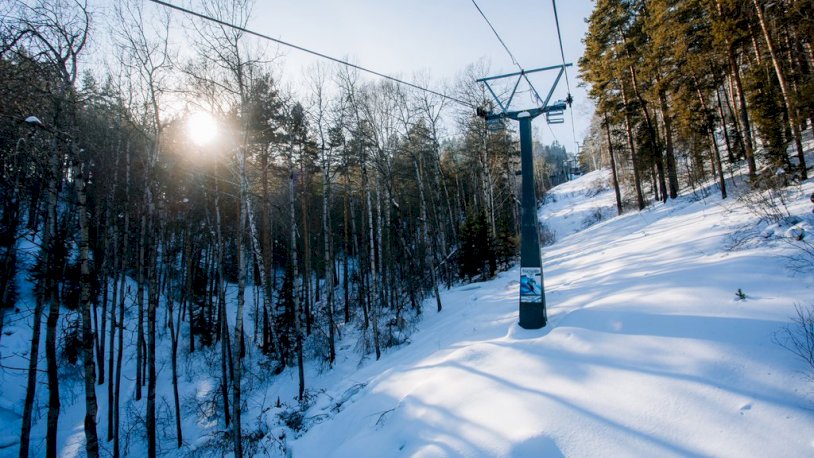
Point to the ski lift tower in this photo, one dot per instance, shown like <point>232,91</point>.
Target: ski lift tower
<point>532,294</point>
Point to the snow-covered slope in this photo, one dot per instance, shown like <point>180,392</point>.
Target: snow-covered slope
<point>647,351</point>
<point>578,204</point>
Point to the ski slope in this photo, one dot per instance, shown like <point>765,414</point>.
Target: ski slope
<point>647,352</point>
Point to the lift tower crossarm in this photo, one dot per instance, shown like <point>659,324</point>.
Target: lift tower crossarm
<point>524,72</point>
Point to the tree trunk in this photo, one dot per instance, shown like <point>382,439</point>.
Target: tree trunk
<point>361,291</point>
<point>109,272</point>
<point>31,381</point>
<point>153,288</point>
<point>142,249</point>
<point>267,251</point>
<point>714,152</point>
<point>637,180</point>
<point>268,310</point>
<point>306,248</point>
<point>345,249</point>
<point>651,133</point>
<point>122,290</point>
<point>716,157</point>
<point>237,354</point>
<point>430,255</point>
<point>46,294</point>
<point>743,115</point>
<point>672,170</point>
<point>109,257</point>
<point>100,334</point>
<point>328,259</point>
<point>729,103</point>
<point>153,244</point>
<point>730,154</point>
<point>375,267</point>
<point>91,438</point>
<point>788,101</point>
<point>174,337</point>
<point>223,329</point>
<point>295,281</point>
<point>51,281</point>
<point>616,191</point>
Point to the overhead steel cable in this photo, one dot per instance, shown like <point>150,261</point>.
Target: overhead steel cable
<point>562,50</point>
<point>509,52</point>
<point>570,98</point>
<point>514,61</point>
<point>309,51</point>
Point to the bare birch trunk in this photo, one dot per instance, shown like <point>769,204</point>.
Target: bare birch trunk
<point>91,438</point>
<point>346,249</point>
<point>55,162</point>
<point>142,251</point>
<point>175,330</point>
<point>261,265</point>
<point>328,259</point>
<point>237,354</point>
<point>111,357</point>
<point>42,296</point>
<point>306,250</point>
<point>375,271</point>
<point>431,260</point>
<point>295,280</point>
<point>122,290</point>
<point>223,329</point>
<point>31,381</point>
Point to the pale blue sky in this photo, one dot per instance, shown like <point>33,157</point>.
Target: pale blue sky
<point>401,37</point>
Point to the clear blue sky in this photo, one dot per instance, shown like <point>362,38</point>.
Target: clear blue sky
<point>401,37</point>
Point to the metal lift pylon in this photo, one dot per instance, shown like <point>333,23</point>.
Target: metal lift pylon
<point>532,292</point>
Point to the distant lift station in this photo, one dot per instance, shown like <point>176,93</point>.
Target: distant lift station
<point>532,294</point>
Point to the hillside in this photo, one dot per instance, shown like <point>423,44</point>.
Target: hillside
<point>648,352</point>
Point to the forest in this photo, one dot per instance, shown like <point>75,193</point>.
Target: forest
<point>688,90</point>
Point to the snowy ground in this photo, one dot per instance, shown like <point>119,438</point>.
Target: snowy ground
<point>647,353</point>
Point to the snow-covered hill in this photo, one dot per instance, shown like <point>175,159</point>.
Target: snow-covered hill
<point>648,351</point>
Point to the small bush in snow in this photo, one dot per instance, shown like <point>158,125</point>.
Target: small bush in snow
<point>547,236</point>
<point>597,187</point>
<point>798,336</point>
<point>70,342</point>
<point>594,217</point>
<point>770,204</point>
<point>292,418</point>
<point>397,332</point>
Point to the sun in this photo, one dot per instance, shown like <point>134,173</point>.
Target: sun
<point>202,128</point>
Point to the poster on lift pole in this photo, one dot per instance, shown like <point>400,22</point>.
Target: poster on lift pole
<point>531,284</point>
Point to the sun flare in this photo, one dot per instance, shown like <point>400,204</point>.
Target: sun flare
<point>202,128</point>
